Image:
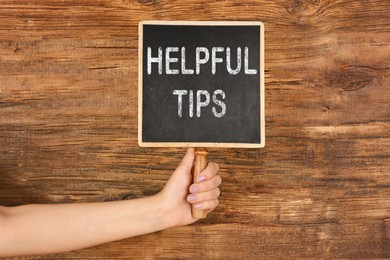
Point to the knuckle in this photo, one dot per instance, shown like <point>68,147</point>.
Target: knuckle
<point>218,192</point>
<point>214,203</point>
<point>215,166</point>
<point>211,170</point>
<point>218,180</point>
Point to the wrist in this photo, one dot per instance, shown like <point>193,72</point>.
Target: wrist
<point>163,211</point>
<point>172,209</point>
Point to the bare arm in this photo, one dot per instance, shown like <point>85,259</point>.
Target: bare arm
<point>56,228</point>
<point>40,229</point>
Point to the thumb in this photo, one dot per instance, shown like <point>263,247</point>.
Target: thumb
<point>188,160</point>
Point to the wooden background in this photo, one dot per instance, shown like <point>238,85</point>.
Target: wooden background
<point>319,189</point>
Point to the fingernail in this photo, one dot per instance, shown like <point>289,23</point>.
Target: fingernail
<point>191,198</point>
<point>197,206</point>
<point>200,178</point>
<point>194,188</point>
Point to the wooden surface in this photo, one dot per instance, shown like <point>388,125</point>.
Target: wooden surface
<point>319,189</point>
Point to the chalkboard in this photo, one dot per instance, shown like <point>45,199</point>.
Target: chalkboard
<point>201,84</point>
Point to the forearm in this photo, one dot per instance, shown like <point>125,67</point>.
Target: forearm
<point>58,228</point>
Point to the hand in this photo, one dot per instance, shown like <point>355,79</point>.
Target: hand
<point>179,192</point>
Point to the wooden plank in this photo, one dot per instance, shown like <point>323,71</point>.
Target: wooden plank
<point>319,189</point>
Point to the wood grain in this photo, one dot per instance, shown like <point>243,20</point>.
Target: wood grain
<point>319,189</point>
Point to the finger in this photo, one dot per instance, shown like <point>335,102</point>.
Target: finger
<point>206,185</point>
<point>204,196</point>
<point>209,172</point>
<point>209,205</point>
<point>188,160</point>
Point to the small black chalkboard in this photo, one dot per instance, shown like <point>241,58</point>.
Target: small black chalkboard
<point>201,84</point>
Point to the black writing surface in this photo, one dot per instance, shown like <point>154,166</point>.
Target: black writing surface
<point>201,84</point>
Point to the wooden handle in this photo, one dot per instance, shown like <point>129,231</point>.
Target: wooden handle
<point>200,164</point>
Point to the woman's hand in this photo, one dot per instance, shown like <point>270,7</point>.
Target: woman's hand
<point>179,192</point>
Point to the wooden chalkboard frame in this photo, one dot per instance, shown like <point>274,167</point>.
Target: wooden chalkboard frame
<point>200,144</point>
